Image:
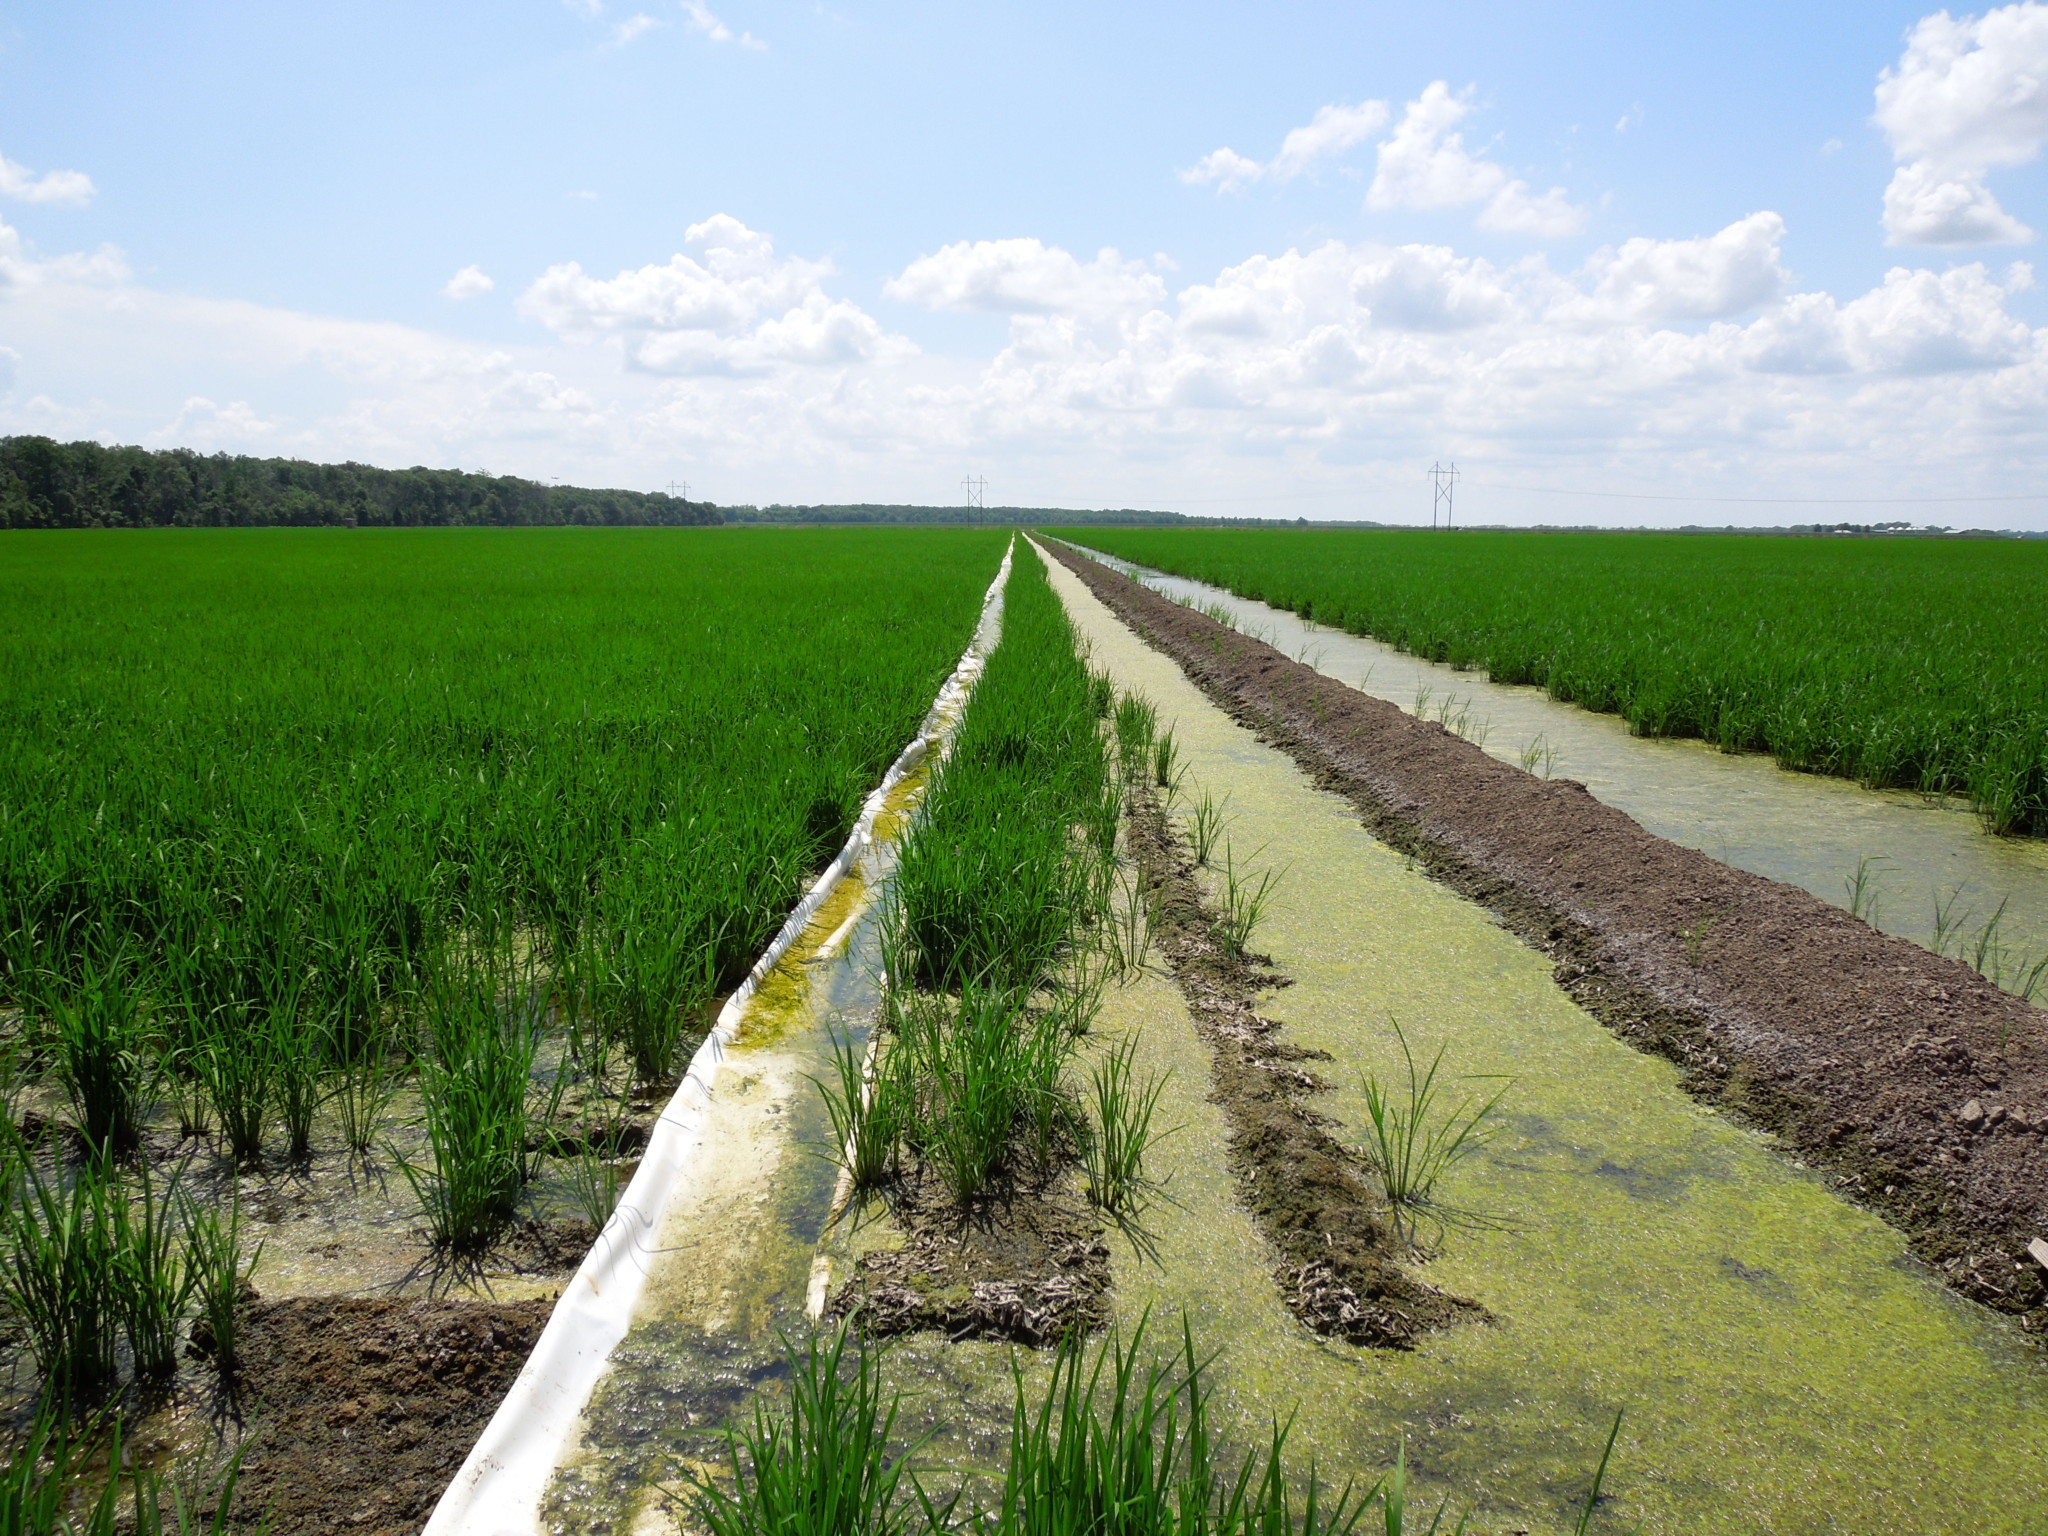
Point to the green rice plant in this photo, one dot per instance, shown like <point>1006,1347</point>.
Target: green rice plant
<point>153,1280</point>
<point>1866,900</point>
<point>998,867</point>
<point>1127,925</point>
<point>593,1181</point>
<point>1894,662</point>
<point>1247,898</point>
<point>1120,1132</point>
<point>1136,725</point>
<point>362,1091</point>
<point>474,1089</point>
<point>870,1107</point>
<point>109,1061</point>
<point>60,1276</point>
<point>1167,769</point>
<point>823,1465</point>
<point>1394,1501</point>
<point>218,1267</point>
<point>1206,823</point>
<point>35,1497</point>
<point>1120,1442</point>
<point>1413,1139</point>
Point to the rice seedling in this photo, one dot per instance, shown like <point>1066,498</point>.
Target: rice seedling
<point>593,1181</point>
<point>869,1113</point>
<point>984,1067</point>
<point>109,1061</point>
<point>1866,900</point>
<point>474,1087</point>
<point>822,1465</point>
<point>1205,825</point>
<point>152,1278</point>
<point>1167,768</point>
<point>994,876</point>
<point>1122,1442</point>
<point>59,1276</point>
<point>1137,726</point>
<point>218,1269</point>
<point>1538,755</point>
<point>1413,1139</point>
<point>1120,1131</point>
<point>1394,1501</point>
<point>1126,929</point>
<point>1905,662</point>
<point>362,1091</point>
<point>1247,898</point>
<point>41,1492</point>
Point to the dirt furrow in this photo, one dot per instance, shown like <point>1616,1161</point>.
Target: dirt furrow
<point>1918,1086</point>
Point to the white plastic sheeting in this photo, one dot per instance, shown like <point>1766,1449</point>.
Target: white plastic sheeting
<point>499,1489</point>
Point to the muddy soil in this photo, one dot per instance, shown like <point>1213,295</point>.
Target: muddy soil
<point>1340,1265</point>
<point>362,1410</point>
<point>1027,1267</point>
<point>1921,1087</point>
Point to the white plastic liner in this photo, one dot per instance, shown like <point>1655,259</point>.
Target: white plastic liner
<point>499,1489</point>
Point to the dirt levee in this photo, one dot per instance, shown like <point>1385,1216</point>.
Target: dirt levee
<point>366,1407</point>
<point>1920,1087</point>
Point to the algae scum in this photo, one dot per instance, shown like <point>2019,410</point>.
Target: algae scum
<point>1782,1363</point>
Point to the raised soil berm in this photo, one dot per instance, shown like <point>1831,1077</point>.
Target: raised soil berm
<point>1921,1087</point>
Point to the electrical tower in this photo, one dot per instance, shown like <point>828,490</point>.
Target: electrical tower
<point>1443,480</point>
<point>680,489</point>
<point>976,487</point>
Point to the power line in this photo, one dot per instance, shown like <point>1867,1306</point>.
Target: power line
<point>680,489</point>
<point>1553,490</point>
<point>976,487</point>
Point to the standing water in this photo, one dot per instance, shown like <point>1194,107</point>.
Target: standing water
<point>1920,868</point>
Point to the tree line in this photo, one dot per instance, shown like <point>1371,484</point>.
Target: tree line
<point>47,484</point>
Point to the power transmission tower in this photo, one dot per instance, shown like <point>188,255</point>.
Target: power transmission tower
<point>976,487</point>
<point>1443,480</point>
<point>680,489</point>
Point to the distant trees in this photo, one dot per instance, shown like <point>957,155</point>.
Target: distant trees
<point>47,484</point>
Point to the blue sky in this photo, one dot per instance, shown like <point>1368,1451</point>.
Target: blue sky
<point>1646,250</point>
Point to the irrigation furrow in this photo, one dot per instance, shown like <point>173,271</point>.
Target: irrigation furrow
<point>1783,1363</point>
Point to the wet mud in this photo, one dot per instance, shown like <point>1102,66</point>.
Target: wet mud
<point>1027,1266</point>
<point>1340,1266</point>
<point>1918,1086</point>
<point>360,1410</point>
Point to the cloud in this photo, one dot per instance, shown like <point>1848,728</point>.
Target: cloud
<point>1968,96</point>
<point>18,181</point>
<point>471,282</point>
<point>1026,277</point>
<point>1334,129</point>
<point>1714,276</point>
<point>728,304</point>
<point>1661,362</point>
<point>701,20</point>
<point>633,26</point>
<point>1424,164</point>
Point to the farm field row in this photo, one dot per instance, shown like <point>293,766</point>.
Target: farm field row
<point>1909,663</point>
<point>361,895</point>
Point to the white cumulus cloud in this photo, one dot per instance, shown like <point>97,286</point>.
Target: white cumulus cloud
<point>728,303</point>
<point>1968,96</point>
<point>702,20</point>
<point>1026,277</point>
<point>1424,164</point>
<point>1334,129</point>
<point>18,181</point>
<point>471,282</point>
<point>1717,275</point>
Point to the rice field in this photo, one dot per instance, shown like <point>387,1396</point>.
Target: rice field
<point>298,826</point>
<point>1911,663</point>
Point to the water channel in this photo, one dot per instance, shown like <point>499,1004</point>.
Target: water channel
<point>1783,1365</point>
<point>1916,853</point>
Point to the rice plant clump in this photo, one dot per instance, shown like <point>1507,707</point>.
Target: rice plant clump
<point>1413,1138</point>
<point>998,869</point>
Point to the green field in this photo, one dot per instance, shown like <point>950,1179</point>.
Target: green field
<point>1920,664</point>
<point>272,804</point>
